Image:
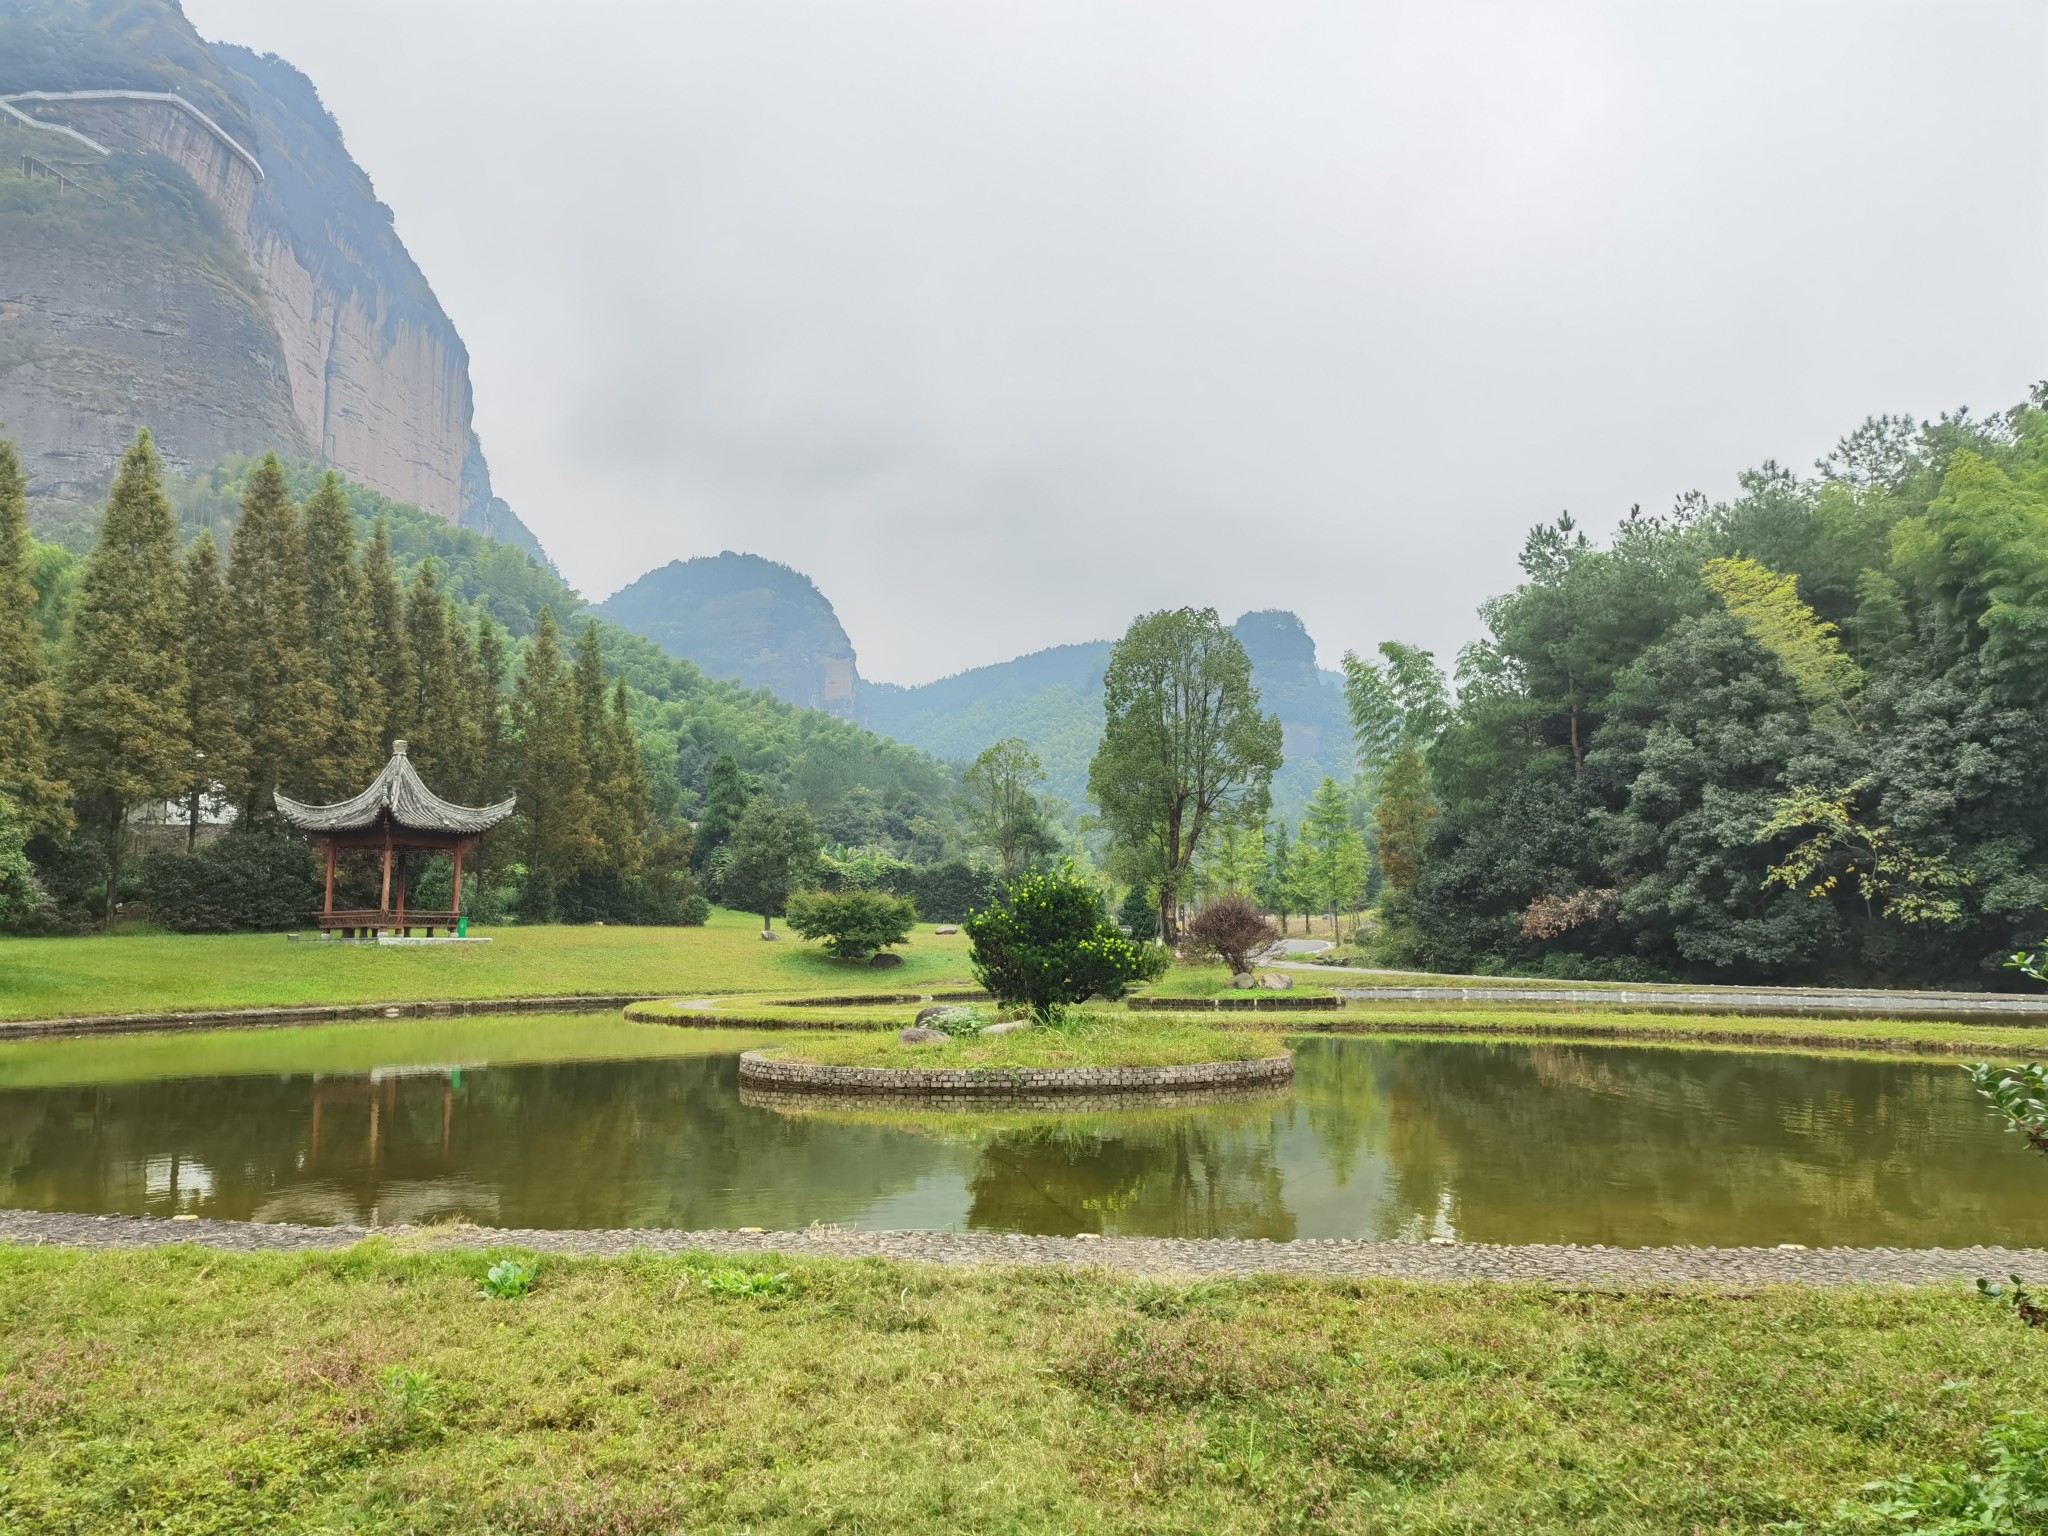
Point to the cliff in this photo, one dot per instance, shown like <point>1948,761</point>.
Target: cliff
<point>186,244</point>
<point>747,619</point>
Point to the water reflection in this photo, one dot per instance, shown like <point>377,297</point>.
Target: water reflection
<point>1496,1143</point>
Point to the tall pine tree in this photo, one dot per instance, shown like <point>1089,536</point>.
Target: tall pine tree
<point>388,650</point>
<point>29,775</point>
<point>211,683</point>
<point>341,628</point>
<point>438,692</point>
<point>548,771</point>
<point>282,704</point>
<point>123,704</point>
<point>609,762</point>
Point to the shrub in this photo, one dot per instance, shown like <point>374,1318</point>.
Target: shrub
<point>852,924</point>
<point>245,882</point>
<point>1233,930</point>
<point>1046,944</point>
<point>945,893</point>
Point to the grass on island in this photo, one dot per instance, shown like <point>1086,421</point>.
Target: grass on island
<point>1093,1039</point>
<point>160,972</point>
<point>378,1391</point>
<point>1214,981</point>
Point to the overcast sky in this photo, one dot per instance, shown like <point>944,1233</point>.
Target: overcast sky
<point>1008,321</point>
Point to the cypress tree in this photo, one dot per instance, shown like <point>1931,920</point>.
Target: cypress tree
<point>548,770</point>
<point>388,652</point>
<point>464,750</point>
<point>123,707</point>
<point>628,790</point>
<point>283,705</point>
<point>487,708</point>
<point>435,706</point>
<point>617,833</point>
<point>341,627</point>
<point>211,661</point>
<point>28,702</point>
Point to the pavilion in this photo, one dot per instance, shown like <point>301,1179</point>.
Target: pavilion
<point>399,815</point>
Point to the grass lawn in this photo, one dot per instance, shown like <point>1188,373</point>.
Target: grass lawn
<point>375,1391</point>
<point>1105,1039</point>
<point>152,973</point>
<point>1214,981</point>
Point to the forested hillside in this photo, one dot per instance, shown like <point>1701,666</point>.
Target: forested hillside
<point>1798,736</point>
<point>231,659</point>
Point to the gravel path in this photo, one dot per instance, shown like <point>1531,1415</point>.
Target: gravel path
<point>1558,1264</point>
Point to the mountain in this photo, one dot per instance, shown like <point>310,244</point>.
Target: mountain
<point>746,619</point>
<point>185,244</point>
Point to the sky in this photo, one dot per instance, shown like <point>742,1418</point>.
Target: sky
<point>1006,322</point>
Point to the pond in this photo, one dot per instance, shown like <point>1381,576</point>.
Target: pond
<point>582,1122</point>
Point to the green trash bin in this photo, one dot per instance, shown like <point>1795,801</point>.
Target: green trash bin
<point>462,927</point>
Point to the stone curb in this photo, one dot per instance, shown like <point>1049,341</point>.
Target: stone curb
<point>273,1018</point>
<point>759,1072</point>
<point>1557,1264</point>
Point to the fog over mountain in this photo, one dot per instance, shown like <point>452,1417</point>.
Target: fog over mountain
<point>1003,324</point>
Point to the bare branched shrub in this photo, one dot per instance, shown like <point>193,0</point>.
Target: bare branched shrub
<point>1549,916</point>
<point>1233,930</point>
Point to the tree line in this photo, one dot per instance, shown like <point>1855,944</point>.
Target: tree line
<point>289,665</point>
<point>1792,737</point>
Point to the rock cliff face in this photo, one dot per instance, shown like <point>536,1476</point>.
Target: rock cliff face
<point>199,254</point>
<point>747,619</point>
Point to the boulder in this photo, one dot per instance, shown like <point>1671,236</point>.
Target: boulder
<point>771,936</point>
<point>885,961</point>
<point>923,1037</point>
<point>1273,982</point>
<point>945,928</point>
<point>942,1013</point>
<point>1244,981</point>
<point>1014,1026</point>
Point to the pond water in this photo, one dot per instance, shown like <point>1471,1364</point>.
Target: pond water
<point>1377,1139</point>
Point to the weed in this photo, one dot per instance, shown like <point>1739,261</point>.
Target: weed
<point>507,1280</point>
<point>414,1407</point>
<point>737,1282</point>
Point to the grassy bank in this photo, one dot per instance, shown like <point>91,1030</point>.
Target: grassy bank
<point>1105,1039</point>
<point>152,973</point>
<point>375,1391</point>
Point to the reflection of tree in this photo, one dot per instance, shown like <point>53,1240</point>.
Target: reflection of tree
<point>1337,1090</point>
<point>1204,1174</point>
<point>1634,1146</point>
<point>657,1143</point>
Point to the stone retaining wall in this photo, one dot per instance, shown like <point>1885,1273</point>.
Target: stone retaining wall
<point>782,1101</point>
<point>1253,1002</point>
<point>328,1013</point>
<point>758,1071</point>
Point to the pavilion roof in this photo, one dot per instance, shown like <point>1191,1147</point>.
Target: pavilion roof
<point>396,792</point>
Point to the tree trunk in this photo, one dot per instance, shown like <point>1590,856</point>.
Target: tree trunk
<point>120,822</point>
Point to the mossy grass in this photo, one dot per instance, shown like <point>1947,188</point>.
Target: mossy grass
<point>1214,981</point>
<point>155,972</point>
<point>376,1390</point>
<point>1082,1039</point>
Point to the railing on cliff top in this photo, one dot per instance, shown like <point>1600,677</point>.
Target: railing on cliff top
<point>163,97</point>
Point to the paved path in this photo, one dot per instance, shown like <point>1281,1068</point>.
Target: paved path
<point>1558,1264</point>
<point>1811,1002</point>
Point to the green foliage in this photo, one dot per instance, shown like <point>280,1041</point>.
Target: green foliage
<point>774,851</point>
<point>246,882</point>
<point>28,703</point>
<point>853,924</point>
<point>555,829</point>
<point>1890,879</point>
<point>507,1280</point>
<point>1184,744</point>
<point>1809,649</point>
<point>1331,862</point>
<point>740,1283</point>
<point>24,905</point>
<point>1003,813</point>
<point>1139,914</point>
<point>1640,710</point>
<point>2004,1494</point>
<point>1045,944</point>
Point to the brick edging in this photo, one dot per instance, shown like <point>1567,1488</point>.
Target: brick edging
<point>758,1071</point>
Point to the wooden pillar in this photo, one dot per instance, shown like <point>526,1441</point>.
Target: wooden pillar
<point>457,904</point>
<point>384,901</point>
<point>401,888</point>
<point>330,878</point>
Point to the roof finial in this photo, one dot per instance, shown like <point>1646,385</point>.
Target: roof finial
<point>398,747</point>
